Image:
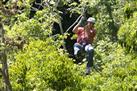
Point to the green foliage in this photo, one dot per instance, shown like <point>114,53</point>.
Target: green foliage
<point>38,27</point>
<point>118,70</point>
<point>59,74</point>
<point>128,34</point>
<point>130,8</point>
<point>104,52</point>
<point>41,68</point>
<point>30,28</point>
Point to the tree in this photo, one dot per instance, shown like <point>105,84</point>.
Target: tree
<point>3,59</point>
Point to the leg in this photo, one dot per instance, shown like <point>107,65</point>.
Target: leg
<point>77,52</point>
<point>77,48</point>
<point>90,53</point>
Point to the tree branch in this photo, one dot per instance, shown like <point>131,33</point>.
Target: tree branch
<point>3,58</point>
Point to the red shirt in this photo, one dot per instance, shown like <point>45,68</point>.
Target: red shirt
<point>85,36</point>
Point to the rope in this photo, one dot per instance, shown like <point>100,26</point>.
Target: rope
<point>83,13</point>
<point>73,23</point>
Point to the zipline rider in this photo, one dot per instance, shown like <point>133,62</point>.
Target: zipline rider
<point>85,39</point>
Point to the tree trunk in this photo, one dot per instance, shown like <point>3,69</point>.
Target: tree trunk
<point>3,59</point>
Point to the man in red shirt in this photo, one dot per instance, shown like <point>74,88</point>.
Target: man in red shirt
<point>85,37</point>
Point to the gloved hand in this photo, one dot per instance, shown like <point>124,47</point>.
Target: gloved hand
<point>82,21</point>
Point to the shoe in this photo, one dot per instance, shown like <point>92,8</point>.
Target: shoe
<point>88,70</point>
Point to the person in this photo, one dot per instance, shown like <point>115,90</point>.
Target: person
<point>85,37</point>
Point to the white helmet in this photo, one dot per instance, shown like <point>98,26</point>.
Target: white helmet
<point>91,19</point>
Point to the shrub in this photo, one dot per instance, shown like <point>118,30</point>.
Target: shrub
<point>128,34</point>
<point>42,66</point>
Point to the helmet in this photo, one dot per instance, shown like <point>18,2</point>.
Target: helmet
<point>91,19</point>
